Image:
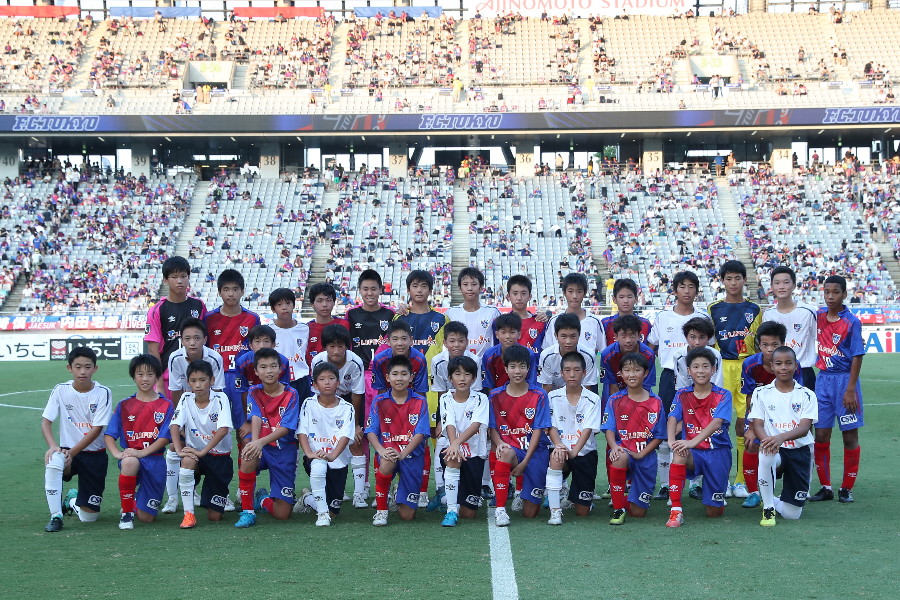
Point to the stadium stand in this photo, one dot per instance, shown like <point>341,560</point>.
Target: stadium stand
<point>41,52</point>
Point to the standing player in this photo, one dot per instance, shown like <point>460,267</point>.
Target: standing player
<point>799,320</point>
<point>85,407</point>
<point>518,292</point>
<point>575,287</point>
<point>322,297</point>
<point>291,338</point>
<point>567,330</point>
<point>625,295</point>
<point>841,351</point>
<point>478,318</point>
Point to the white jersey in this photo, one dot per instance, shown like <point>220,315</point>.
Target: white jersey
<point>178,364</point>
<point>292,342</point>
<point>667,336</point>
<point>81,412</point>
<point>461,415</point>
<point>480,324</point>
<point>440,379</point>
<point>550,371</point>
<point>801,331</point>
<point>781,412</point>
<point>324,427</point>
<point>352,379</point>
<point>592,334</point>
<point>682,379</point>
<point>199,425</point>
<point>571,420</point>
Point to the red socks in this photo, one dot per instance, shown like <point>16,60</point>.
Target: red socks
<point>617,486</point>
<point>519,483</point>
<point>500,477</point>
<point>823,462</point>
<point>677,474</point>
<point>267,504</point>
<point>751,471</point>
<point>382,487</point>
<point>246,485</point>
<point>426,470</point>
<point>851,466</point>
<point>127,485</point>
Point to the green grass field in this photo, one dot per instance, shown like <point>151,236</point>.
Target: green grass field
<point>833,551</point>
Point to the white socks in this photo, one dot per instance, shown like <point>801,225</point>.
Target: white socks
<point>451,488</point>
<point>173,463</point>
<point>358,466</point>
<point>554,485</point>
<point>439,445</point>
<point>663,462</point>
<point>318,469</point>
<point>53,482</point>
<point>186,485</point>
<point>485,475</point>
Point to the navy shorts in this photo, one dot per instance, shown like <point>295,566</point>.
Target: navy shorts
<point>470,472</point>
<point>808,374</point>
<point>534,479</point>
<point>795,474</point>
<point>282,466</point>
<point>643,477</point>
<point>238,410</point>
<point>409,470</point>
<point>217,471</point>
<point>714,464</point>
<point>335,483</point>
<point>151,482</point>
<point>90,467</point>
<point>830,388</point>
<point>584,477</point>
<point>303,388</point>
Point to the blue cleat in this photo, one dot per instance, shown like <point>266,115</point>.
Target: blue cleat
<point>450,520</point>
<point>435,502</point>
<point>260,495</point>
<point>68,502</point>
<point>752,501</point>
<point>246,519</point>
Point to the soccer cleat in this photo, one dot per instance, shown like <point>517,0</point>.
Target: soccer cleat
<point>486,492</point>
<point>300,506</point>
<point>435,502</point>
<point>517,502</point>
<point>68,503</point>
<point>729,491</point>
<point>380,518</point>
<point>675,519</point>
<point>768,519</point>
<point>55,524</point>
<point>606,495</point>
<point>696,492</point>
<point>392,500</point>
<point>229,505</point>
<point>555,517</point>
<point>545,503</point>
<point>323,520</point>
<point>260,495</point>
<point>346,497</point>
<point>752,501</point>
<point>126,521</point>
<point>360,500</point>
<point>450,519</point>
<point>171,506</point>
<point>189,521</point>
<point>423,499</point>
<point>564,502</point>
<point>618,517</point>
<point>597,496</point>
<point>739,490</point>
<point>246,519</point>
<point>845,496</point>
<point>501,517</point>
<point>823,494</point>
<point>662,494</point>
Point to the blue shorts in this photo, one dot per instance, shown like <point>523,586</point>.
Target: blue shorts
<point>409,471</point>
<point>151,482</point>
<point>830,388</point>
<point>238,412</point>
<point>714,464</point>
<point>282,466</point>
<point>642,474</point>
<point>534,479</point>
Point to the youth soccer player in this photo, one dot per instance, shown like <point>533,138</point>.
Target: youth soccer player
<point>194,337</point>
<point>84,408</point>
<point>322,297</point>
<point>327,428</point>
<point>782,414</point>
<point>477,318</point>
<point>574,419</point>
<point>200,434</point>
<point>567,329</point>
<point>166,317</point>
<point>574,287</point>
<point>464,420</point>
<point>697,331</point>
<point>368,327</point>
<point>518,292</point>
<point>519,416</point>
<point>634,429</point>
<point>799,319</point>
<point>398,425</point>
<point>400,344</point>
<point>736,320</point>
<point>705,448</point>
<point>291,338</point>
<point>841,351</point>
<point>141,425</point>
<point>625,295</point>
<point>627,329</point>
<point>508,328</point>
<point>273,413</point>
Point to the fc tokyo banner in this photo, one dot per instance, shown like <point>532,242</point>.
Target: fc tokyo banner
<point>580,8</point>
<point>82,322</point>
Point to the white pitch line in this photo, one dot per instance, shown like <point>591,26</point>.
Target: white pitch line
<point>503,572</point>
<point>16,406</point>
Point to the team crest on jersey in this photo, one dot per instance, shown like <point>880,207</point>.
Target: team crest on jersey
<point>533,333</point>
<point>485,323</point>
<point>469,414</point>
<point>836,338</point>
<point>797,327</point>
<point>93,408</point>
<point>749,316</point>
<point>579,418</point>
<point>159,417</point>
<point>244,330</point>
<point>383,325</point>
<point>652,417</point>
<point>280,411</point>
<point>338,423</point>
<point>214,417</point>
<point>529,413</point>
<point>170,334</point>
<point>795,406</point>
<point>587,336</point>
<point>347,377</point>
<point>623,433</point>
<point>413,419</point>
<point>435,326</point>
<point>195,314</point>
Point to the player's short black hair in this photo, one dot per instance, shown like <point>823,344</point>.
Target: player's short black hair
<point>81,352</point>
<point>637,359</point>
<point>627,323</point>
<point>325,367</point>
<point>838,279</point>
<point>519,280</point>
<point>685,277</point>
<point>567,321</point>
<point>369,275</point>
<point>335,334</point>
<point>785,350</point>
<point>175,264</point>
<point>783,270</point>
<point>576,279</point>
<point>466,363</point>
<point>734,267</point>
<point>706,353</point>
<point>420,275</point>
<point>282,295</point>
<point>625,283</point>
<point>262,331</point>
<point>456,327</point>
<point>199,366</point>
<point>399,325</point>
<point>508,320</point>
<point>145,360</point>
<point>470,272</point>
<point>265,354</point>
<point>230,276</point>
<point>400,361</point>
<point>517,353</point>
<point>321,289</point>
<point>575,357</point>
<point>701,325</point>
<point>772,328</point>
<point>196,324</point>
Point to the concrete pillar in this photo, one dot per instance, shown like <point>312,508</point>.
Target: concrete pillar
<point>757,6</point>
<point>782,163</point>
<point>652,155</point>
<point>879,4</point>
<point>398,160</point>
<point>9,161</point>
<point>524,164</point>
<point>140,160</point>
<point>269,161</point>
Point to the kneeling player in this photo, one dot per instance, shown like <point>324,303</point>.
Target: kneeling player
<point>782,416</point>
<point>575,418</point>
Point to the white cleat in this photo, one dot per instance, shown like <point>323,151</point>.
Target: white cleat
<point>423,500</point>
<point>126,521</point>
<point>300,506</point>
<point>346,497</point>
<point>555,516</point>
<point>739,490</point>
<point>229,505</point>
<point>501,518</point>
<point>171,506</point>
<point>323,520</point>
<point>380,518</point>
<point>360,500</point>
<point>517,502</point>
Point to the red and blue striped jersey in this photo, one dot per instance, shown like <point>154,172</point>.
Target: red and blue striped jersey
<point>314,345</point>
<point>516,417</point>
<point>611,365</point>
<point>634,423</point>
<point>246,374</point>
<point>754,374</point>
<point>607,322</point>
<point>137,424</point>
<point>282,410</point>
<point>838,342</point>
<point>228,335</point>
<point>697,413</point>
<point>396,424</point>
<point>420,371</point>
<point>494,371</point>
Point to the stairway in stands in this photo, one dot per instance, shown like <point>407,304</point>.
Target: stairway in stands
<point>321,253</point>
<point>730,208</point>
<point>186,233</point>
<point>461,240</point>
<point>597,232</point>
